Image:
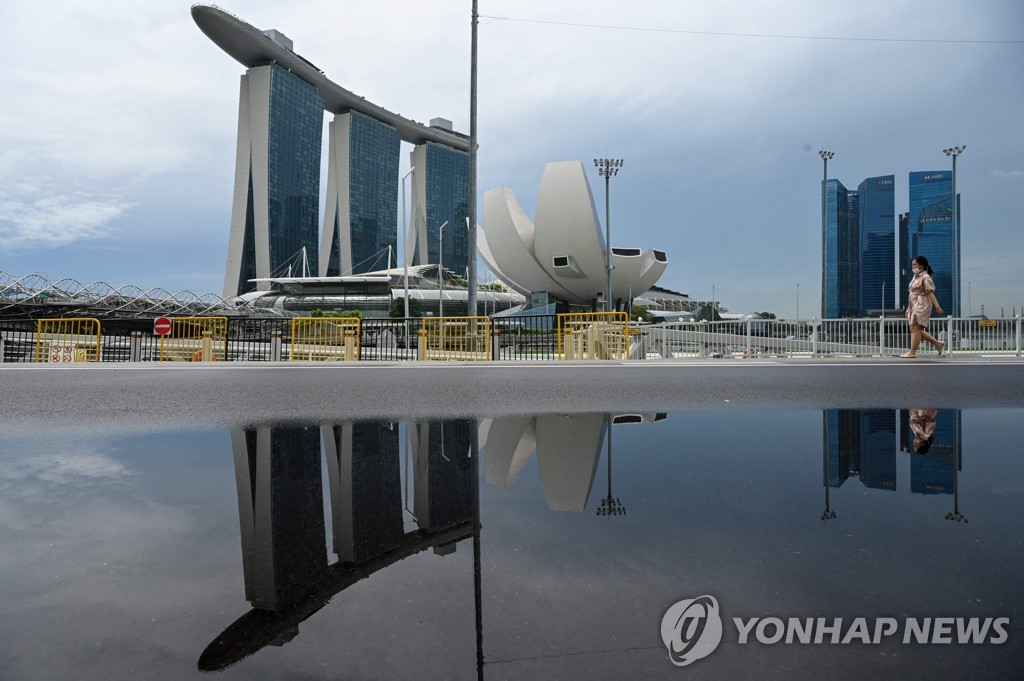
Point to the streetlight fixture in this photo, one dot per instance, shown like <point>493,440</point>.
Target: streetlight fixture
<point>825,156</point>
<point>607,168</point>
<point>968,300</point>
<point>798,302</point>
<point>954,152</point>
<point>405,248</point>
<point>440,270</point>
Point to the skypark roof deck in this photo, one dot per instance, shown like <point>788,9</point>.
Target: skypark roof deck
<point>252,47</point>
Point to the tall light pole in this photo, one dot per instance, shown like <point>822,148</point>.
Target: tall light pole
<point>471,275</point>
<point>405,248</point>
<point>883,299</point>
<point>825,156</point>
<point>968,300</point>
<point>607,168</point>
<point>798,302</point>
<point>440,270</point>
<point>954,152</point>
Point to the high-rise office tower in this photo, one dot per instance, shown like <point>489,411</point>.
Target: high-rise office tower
<point>275,213</point>
<point>876,220</point>
<point>440,193</point>
<point>931,232</point>
<point>840,289</point>
<point>361,212</point>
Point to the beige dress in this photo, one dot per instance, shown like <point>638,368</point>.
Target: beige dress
<point>919,309</point>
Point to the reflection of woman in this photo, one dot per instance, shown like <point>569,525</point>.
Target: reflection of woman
<point>919,308</point>
<point>922,422</point>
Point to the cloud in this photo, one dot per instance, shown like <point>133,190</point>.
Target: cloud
<point>1009,174</point>
<point>30,221</point>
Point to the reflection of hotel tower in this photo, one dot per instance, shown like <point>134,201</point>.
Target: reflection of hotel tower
<point>861,442</point>
<point>932,471</point>
<point>280,498</point>
<point>275,212</point>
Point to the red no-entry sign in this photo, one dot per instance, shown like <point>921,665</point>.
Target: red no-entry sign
<point>161,326</point>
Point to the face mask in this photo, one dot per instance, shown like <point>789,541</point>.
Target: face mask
<point>916,269</point>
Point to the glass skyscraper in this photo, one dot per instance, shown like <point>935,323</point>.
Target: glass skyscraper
<point>361,216</point>
<point>876,220</point>
<point>276,211</point>
<point>441,194</point>
<point>859,248</point>
<point>840,291</point>
<point>931,232</point>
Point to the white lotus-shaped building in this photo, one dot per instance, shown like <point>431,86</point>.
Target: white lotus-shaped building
<point>563,250</point>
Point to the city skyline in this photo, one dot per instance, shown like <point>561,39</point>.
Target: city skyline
<point>99,196</point>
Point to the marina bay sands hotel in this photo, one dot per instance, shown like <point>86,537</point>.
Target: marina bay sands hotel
<point>275,210</point>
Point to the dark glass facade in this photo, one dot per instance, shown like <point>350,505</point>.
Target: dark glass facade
<point>840,291</point>
<point>931,230</point>
<point>373,201</point>
<point>877,214</point>
<point>447,185</point>
<point>862,443</point>
<point>295,131</point>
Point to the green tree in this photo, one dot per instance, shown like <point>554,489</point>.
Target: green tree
<point>768,315</point>
<point>639,313</point>
<point>398,307</point>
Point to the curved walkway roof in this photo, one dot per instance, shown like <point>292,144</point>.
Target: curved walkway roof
<point>251,47</point>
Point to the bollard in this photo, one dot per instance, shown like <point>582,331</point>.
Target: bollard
<point>349,352</point>
<point>495,345</point>
<point>135,347</point>
<point>881,335</point>
<point>1018,336</point>
<point>423,344</point>
<point>207,346</point>
<point>814,337</point>
<point>275,346</point>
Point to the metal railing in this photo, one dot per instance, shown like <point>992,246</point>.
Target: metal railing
<point>325,338</point>
<point>67,340</point>
<point>593,335</point>
<point>536,338</point>
<point>455,338</point>
<point>195,339</point>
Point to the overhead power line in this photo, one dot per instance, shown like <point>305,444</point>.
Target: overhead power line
<point>776,36</point>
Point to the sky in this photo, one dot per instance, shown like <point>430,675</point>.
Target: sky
<point>118,125</point>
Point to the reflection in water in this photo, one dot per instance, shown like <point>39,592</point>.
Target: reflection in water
<point>862,443</point>
<point>280,501</point>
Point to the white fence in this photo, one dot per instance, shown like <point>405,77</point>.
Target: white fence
<point>843,337</point>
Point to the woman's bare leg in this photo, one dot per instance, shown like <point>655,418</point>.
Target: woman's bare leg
<point>931,339</point>
<point>915,339</point>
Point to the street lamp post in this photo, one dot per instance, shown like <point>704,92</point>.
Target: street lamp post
<point>883,299</point>
<point>825,156</point>
<point>607,168</point>
<point>798,302</point>
<point>968,300</point>
<point>405,248</point>
<point>440,270</point>
<point>954,152</point>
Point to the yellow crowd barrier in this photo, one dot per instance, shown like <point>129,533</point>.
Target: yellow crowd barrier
<point>67,340</point>
<point>185,342</point>
<point>593,335</point>
<point>455,338</point>
<point>325,339</point>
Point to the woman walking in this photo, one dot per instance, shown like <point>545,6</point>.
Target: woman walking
<point>919,308</point>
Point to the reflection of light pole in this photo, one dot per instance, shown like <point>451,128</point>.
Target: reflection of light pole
<point>440,270</point>
<point>956,515</point>
<point>405,248</point>
<point>610,505</point>
<point>954,152</point>
<point>829,514</point>
<point>825,156</point>
<point>606,168</point>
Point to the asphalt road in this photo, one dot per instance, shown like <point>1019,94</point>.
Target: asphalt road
<point>236,394</point>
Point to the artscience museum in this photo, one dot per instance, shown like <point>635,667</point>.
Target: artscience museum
<point>559,256</point>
